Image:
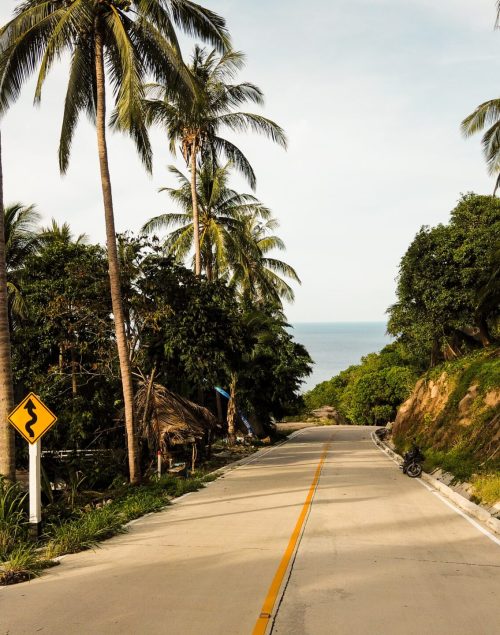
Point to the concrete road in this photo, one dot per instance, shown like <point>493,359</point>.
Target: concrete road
<point>377,553</point>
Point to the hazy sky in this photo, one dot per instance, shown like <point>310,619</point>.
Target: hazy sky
<point>371,94</point>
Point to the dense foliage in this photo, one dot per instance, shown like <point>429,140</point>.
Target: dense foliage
<point>448,297</point>
<point>194,334</point>
<point>448,292</point>
<point>368,393</point>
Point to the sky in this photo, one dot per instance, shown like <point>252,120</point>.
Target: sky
<point>371,94</point>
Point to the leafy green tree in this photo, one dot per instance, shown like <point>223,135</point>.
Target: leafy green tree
<point>195,120</point>
<point>369,393</point>
<point>191,330</point>
<point>375,396</point>
<point>444,306</point>
<point>271,373</point>
<point>130,39</point>
<point>63,347</point>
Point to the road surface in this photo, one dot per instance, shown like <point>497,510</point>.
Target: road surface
<point>376,553</point>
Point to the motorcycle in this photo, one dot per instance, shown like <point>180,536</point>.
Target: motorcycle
<point>412,462</point>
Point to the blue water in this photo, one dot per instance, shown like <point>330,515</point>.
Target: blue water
<point>334,346</point>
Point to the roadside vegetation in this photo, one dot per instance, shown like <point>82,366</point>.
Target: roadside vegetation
<point>446,331</point>
<point>80,524</point>
<point>170,343</point>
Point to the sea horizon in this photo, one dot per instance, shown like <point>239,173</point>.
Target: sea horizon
<point>334,346</point>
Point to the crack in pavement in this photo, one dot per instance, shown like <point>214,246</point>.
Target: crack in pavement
<point>468,564</point>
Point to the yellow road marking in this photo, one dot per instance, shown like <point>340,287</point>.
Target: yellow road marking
<point>272,595</point>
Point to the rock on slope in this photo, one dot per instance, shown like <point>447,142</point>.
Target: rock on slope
<point>456,407</point>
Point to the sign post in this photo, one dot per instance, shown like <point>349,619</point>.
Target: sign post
<point>35,527</point>
<point>31,418</point>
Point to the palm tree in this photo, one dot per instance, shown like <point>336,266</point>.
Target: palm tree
<point>21,240</point>
<point>131,39</point>
<point>56,233</point>
<point>234,234</point>
<point>195,120</point>
<point>7,452</point>
<point>220,218</point>
<point>487,115</point>
<point>257,275</point>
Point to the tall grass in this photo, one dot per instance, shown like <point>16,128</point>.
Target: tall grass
<point>23,564</point>
<point>82,533</point>
<point>13,517</point>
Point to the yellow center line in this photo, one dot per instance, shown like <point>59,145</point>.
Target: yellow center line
<point>272,595</point>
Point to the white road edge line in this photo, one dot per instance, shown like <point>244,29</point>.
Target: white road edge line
<point>460,512</point>
<point>446,502</point>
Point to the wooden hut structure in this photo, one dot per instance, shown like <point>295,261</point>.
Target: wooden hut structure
<point>167,420</point>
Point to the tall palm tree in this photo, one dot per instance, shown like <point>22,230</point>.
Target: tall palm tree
<point>220,218</point>
<point>235,237</point>
<point>487,115</point>
<point>131,39</point>
<point>7,452</point>
<point>195,120</point>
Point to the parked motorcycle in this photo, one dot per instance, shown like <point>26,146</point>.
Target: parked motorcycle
<point>412,462</point>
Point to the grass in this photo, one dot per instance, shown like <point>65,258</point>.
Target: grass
<point>487,488</point>
<point>73,530</point>
<point>13,519</point>
<point>98,524</point>
<point>24,563</point>
<point>82,533</point>
<point>461,465</point>
<point>21,560</point>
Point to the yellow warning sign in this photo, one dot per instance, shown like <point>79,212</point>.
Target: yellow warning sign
<point>32,418</point>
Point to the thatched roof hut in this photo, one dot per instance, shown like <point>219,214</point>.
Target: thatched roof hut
<point>167,419</point>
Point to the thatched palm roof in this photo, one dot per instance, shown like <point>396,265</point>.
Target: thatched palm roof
<point>166,418</point>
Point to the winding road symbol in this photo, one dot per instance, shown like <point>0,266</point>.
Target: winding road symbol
<point>30,407</point>
<point>31,418</point>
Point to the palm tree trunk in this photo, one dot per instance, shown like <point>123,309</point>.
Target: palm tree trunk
<point>231,412</point>
<point>74,368</point>
<point>7,449</point>
<point>196,218</point>
<point>114,269</point>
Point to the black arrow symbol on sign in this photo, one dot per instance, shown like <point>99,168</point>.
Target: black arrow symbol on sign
<point>30,407</point>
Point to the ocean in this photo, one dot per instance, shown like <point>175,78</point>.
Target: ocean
<point>334,346</point>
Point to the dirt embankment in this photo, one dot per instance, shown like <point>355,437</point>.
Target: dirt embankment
<point>456,408</point>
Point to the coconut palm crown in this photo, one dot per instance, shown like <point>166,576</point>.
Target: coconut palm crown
<point>196,120</point>
<point>487,115</point>
<point>138,40</point>
<point>234,234</point>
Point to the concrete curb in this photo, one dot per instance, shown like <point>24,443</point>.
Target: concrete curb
<point>460,501</point>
